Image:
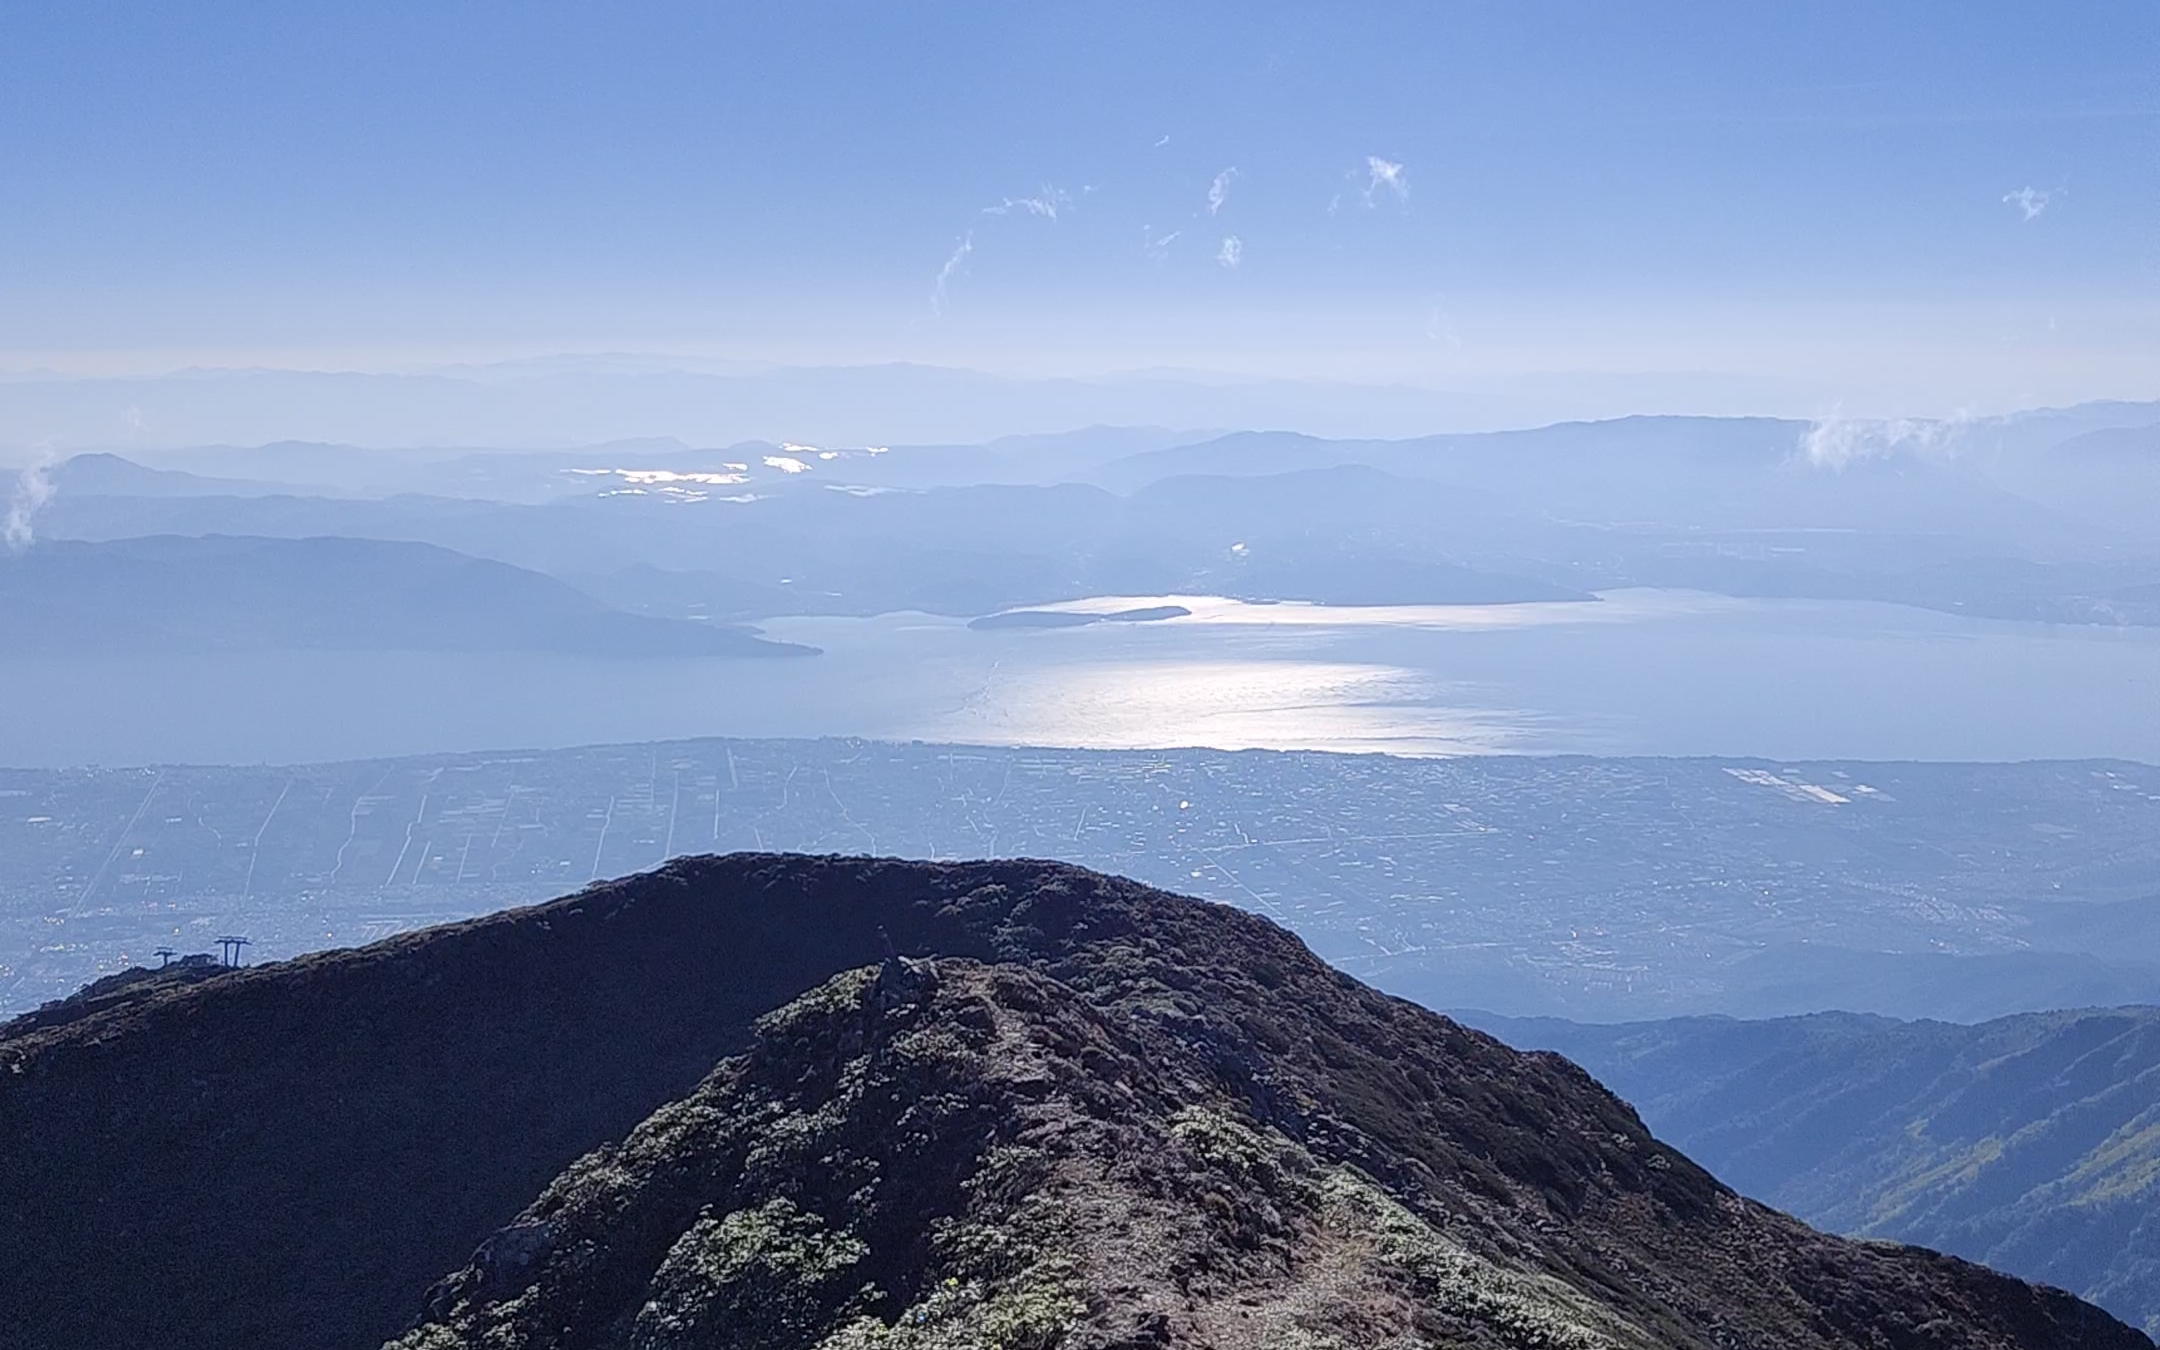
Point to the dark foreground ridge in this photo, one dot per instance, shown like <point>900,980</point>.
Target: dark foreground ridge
<point>1086,1113</point>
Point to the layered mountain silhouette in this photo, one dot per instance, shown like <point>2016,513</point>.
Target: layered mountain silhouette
<point>2029,1142</point>
<point>2041,516</point>
<point>1344,536</point>
<point>778,1101</point>
<point>219,593</point>
<point>100,474</point>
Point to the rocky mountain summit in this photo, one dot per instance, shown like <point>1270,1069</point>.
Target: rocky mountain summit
<point>836,1103</point>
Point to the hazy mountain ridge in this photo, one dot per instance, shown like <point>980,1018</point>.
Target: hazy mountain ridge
<point>1616,449</point>
<point>2030,1142</point>
<point>108,475</point>
<point>2004,518</point>
<point>1098,1115</point>
<point>223,593</point>
<point>578,402</point>
<point>953,550</point>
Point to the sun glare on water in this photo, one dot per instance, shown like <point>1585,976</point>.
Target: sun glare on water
<point>1225,705</point>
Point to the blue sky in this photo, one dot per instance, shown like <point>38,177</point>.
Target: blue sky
<point>1950,195</point>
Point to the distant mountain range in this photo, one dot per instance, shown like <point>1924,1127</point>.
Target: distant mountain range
<point>791,1103</point>
<point>2031,1143</point>
<point>566,401</point>
<point>794,545</point>
<point>218,593</point>
<point>2042,516</point>
<point>106,475</point>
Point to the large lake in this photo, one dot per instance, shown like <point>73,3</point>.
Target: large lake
<point>1639,672</point>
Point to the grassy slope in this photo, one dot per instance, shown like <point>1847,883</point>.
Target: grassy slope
<point>2029,1142</point>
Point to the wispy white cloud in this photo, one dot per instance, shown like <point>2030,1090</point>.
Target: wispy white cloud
<point>1835,441</point>
<point>1157,247</point>
<point>1163,142</point>
<point>949,271</point>
<point>1232,251</point>
<point>1383,173</point>
<point>2030,201</point>
<point>1440,325</point>
<point>1219,191</point>
<point>33,488</point>
<point>1047,203</point>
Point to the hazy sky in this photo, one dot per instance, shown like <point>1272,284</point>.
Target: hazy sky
<point>1962,198</point>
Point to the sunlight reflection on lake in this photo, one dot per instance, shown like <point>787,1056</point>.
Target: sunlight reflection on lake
<point>1616,607</point>
<point>1637,672</point>
<point>1225,705</point>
